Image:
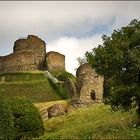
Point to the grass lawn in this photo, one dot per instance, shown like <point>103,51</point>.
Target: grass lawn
<point>32,85</point>
<point>95,122</point>
<point>45,105</point>
<point>22,76</point>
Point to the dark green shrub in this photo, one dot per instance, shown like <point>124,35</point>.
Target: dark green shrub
<point>64,75</point>
<point>59,89</point>
<point>7,131</point>
<point>28,122</point>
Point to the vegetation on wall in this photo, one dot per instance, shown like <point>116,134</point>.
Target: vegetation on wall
<point>64,75</point>
<point>81,61</point>
<point>60,87</point>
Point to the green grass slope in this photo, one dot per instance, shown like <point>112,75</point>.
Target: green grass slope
<point>96,122</point>
<point>31,85</point>
<point>22,76</point>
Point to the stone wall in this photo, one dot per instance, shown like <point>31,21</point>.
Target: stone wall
<point>55,61</point>
<point>89,84</point>
<point>34,44</point>
<point>71,88</point>
<point>28,54</point>
<point>88,88</point>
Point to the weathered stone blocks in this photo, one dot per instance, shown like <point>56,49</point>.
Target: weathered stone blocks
<point>55,61</point>
<point>89,84</point>
<point>29,54</point>
<point>56,110</point>
<point>88,88</point>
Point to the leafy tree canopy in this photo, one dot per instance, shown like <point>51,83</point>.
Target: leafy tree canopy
<point>118,60</point>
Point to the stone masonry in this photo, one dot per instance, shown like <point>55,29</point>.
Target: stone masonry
<point>55,61</point>
<point>89,86</point>
<point>71,88</point>
<point>29,54</point>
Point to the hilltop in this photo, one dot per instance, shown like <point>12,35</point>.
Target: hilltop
<point>32,85</point>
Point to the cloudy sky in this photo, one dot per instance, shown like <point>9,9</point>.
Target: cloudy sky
<point>69,27</point>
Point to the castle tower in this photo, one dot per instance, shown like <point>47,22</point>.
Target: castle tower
<point>35,45</point>
<point>55,61</point>
<point>28,55</point>
<point>89,84</point>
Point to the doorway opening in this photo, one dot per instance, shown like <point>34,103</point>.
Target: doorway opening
<point>93,95</point>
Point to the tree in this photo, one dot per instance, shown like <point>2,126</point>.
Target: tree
<point>81,61</point>
<point>7,131</point>
<point>118,60</point>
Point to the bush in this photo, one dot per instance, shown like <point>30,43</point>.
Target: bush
<point>7,131</point>
<point>28,122</point>
<point>64,75</point>
<point>60,88</point>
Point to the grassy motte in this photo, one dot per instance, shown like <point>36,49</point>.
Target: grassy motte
<point>95,122</point>
<point>22,76</point>
<point>31,85</point>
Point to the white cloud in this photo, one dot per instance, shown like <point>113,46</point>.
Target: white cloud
<point>53,21</point>
<point>73,48</point>
<point>63,16</point>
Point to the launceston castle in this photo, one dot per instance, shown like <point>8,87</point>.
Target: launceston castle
<point>30,54</point>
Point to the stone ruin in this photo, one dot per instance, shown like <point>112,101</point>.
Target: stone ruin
<point>89,84</point>
<point>55,61</point>
<point>29,54</point>
<point>88,88</point>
